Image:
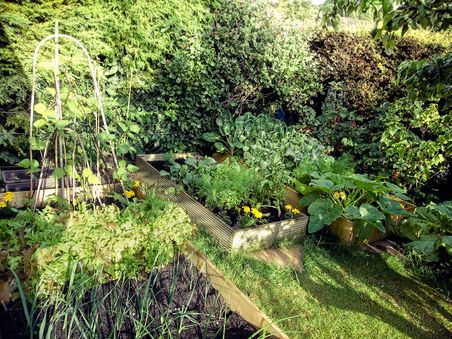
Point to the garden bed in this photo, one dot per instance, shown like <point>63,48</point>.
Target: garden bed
<point>184,299</point>
<point>256,236</point>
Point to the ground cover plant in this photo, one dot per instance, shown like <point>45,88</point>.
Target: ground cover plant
<point>107,241</point>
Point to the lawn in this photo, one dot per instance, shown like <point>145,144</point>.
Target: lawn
<point>338,293</point>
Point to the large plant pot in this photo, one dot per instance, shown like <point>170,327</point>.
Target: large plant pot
<point>343,229</point>
<point>220,157</point>
<point>261,236</point>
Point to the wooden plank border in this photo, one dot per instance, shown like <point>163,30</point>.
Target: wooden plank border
<point>260,236</point>
<point>236,300</point>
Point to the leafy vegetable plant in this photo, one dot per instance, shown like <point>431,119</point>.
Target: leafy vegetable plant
<point>229,186</point>
<point>430,231</point>
<point>330,196</point>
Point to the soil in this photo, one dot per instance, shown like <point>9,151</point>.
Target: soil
<point>230,216</point>
<point>174,290</point>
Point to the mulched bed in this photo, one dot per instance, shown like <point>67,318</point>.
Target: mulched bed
<point>177,293</point>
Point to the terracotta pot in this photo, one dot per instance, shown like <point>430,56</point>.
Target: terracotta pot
<point>343,229</point>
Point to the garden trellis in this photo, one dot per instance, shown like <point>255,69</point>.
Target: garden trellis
<point>64,134</point>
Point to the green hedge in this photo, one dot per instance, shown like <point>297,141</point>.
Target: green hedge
<point>187,62</point>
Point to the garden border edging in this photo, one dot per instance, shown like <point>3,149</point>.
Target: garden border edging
<point>257,236</point>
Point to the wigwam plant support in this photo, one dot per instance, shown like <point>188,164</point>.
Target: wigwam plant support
<point>66,132</point>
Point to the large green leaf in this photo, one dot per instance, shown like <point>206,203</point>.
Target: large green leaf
<point>309,198</point>
<point>392,207</point>
<point>322,212</point>
<point>425,246</point>
<point>323,184</point>
<point>370,213</point>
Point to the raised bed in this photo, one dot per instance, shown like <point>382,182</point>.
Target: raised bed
<point>260,236</point>
<point>21,198</point>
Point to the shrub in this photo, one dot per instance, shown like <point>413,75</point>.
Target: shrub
<point>416,140</point>
<point>367,74</point>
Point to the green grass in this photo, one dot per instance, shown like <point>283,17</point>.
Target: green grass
<point>338,293</point>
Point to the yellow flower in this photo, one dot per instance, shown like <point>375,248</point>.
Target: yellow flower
<point>295,211</point>
<point>258,214</point>
<point>336,195</point>
<point>9,196</point>
<point>288,207</point>
<point>2,204</point>
<point>136,183</point>
<point>343,195</point>
<point>246,209</point>
<point>129,194</point>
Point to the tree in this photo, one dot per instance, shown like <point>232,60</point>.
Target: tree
<point>392,16</point>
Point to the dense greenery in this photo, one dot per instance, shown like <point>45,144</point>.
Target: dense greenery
<point>106,241</point>
<point>183,63</point>
<point>210,75</point>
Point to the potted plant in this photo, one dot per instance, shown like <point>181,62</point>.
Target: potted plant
<point>353,206</point>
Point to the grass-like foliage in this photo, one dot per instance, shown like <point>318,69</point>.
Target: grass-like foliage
<point>175,301</point>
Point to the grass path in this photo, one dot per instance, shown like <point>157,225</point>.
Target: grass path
<point>339,294</point>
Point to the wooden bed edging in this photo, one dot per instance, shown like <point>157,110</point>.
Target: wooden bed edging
<point>253,237</point>
<point>233,296</point>
<point>21,197</point>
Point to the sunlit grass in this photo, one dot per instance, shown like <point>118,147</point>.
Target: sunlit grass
<point>338,293</point>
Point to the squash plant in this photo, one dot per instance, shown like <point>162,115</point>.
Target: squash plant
<point>330,196</point>
<point>430,231</point>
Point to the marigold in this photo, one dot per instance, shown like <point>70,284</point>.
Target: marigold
<point>9,196</point>
<point>288,207</point>
<point>246,209</point>
<point>2,204</point>
<point>136,183</point>
<point>295,211</point>
<point>129,194</point>
<point>258,214</point>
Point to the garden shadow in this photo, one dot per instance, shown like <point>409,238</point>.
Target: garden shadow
<point>337,287</point>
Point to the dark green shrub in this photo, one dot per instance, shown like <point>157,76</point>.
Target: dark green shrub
<point>368,75</point>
